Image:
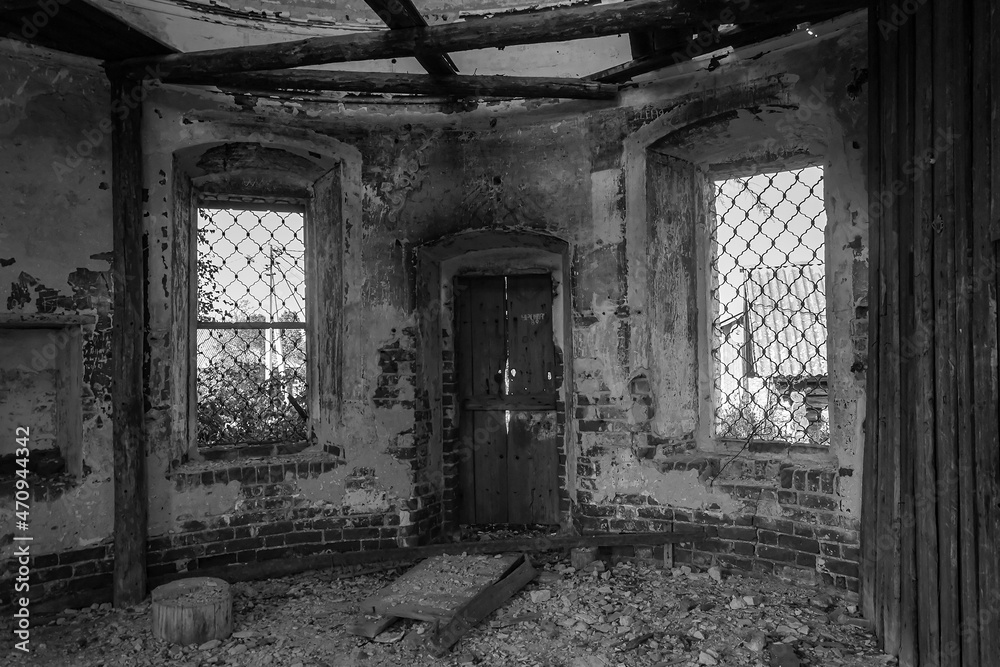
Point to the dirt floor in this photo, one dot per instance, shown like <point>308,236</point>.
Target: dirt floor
<point>628,614</point>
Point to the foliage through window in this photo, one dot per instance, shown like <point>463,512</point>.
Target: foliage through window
<point>251,342</point>
<point>769,308</point>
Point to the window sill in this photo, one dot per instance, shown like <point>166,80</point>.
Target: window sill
<point>775,449</point>
<point>248,451</point>
<point>254,469</point>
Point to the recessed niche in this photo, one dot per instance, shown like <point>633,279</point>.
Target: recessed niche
<point>41,371</point>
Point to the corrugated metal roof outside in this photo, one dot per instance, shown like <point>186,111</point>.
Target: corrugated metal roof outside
<point>787,319</point>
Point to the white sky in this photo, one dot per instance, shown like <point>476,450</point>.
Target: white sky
<point>255,250</point>
<point>745,229</point>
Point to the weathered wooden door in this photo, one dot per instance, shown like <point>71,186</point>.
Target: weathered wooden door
<point>509,437</point>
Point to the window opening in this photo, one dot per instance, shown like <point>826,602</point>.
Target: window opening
<point>251,342</point>
<point>768,295</point>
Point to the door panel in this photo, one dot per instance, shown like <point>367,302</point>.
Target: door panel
<point>529,323</point>
<point>533,467</point>
<point>481,354</point>
<point>509,456</point>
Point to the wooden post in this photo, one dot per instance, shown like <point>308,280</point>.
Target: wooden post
<point>127,342</point>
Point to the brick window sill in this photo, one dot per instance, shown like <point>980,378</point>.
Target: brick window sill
<point>248,450</point>
<point>254,469</point>
<point>774,449</point>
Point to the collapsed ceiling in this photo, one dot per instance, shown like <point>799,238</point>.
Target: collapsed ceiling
<point>464,48</point>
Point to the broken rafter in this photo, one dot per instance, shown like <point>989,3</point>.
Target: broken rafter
<point>556,25</point>
<point>414,84</point>
<point>401,14</point>
<point>688,49</point>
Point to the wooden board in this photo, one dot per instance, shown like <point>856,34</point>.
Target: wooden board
<point>370,626</point>
<point>481,349</point>
<point>481,606</point>
<point>529,332</point>
<point>438,587</point>
<point>533,460</point>
<point>533,437</point>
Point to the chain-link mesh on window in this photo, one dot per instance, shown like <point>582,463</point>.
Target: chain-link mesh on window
<point>769,299</point>
<point>251,343</point>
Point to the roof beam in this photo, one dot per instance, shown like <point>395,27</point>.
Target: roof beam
<point>696,45</point>
<point>556,25</point>
<point>412,84</point>
<point>401,14</point>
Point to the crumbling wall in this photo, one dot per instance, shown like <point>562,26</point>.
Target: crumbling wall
<point>647,457</point>
<point>55,286</point>
<point>638,452</point>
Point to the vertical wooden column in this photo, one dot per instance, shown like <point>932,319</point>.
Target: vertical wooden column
<point>931,523</point>
<point>127,343</point>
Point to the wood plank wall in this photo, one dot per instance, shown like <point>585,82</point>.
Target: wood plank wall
<point>931,525</point>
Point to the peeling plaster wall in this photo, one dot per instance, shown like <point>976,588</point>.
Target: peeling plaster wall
<point>639,455</point>
<point>793,510</point>
<point>55,251</point>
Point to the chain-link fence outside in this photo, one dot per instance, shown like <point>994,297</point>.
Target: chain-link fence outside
<point>769,308</point>
<point>251,343</point>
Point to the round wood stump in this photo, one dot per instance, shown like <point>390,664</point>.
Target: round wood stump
<point>192,611</point>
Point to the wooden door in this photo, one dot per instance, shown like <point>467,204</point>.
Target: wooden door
<point>505,359</point>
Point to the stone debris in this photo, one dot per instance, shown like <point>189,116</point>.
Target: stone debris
<point>622,615</point>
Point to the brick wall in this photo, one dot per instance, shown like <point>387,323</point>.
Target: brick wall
<point>398,388</point>
<point>63,574</point>
<point>789,523</point>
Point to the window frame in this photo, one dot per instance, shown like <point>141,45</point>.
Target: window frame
<point>249,203</point>
<point>729,172</point>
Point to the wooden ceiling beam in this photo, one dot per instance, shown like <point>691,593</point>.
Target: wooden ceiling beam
<point>402,14</point>
<point>688,49</point>
<point>412,84</point>
<point>556,25</point>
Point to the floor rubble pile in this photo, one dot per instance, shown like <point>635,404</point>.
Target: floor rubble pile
<point>628,614</point>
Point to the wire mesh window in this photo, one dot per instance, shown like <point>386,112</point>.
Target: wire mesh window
<point>769,300</point>
<point>251,343</point>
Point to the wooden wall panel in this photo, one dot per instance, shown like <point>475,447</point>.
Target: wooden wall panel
<point>931,580</point>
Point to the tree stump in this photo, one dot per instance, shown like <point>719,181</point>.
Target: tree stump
<point>192,611</point>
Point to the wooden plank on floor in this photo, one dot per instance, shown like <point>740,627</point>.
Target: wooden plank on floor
<point>481,606</point>
<point>436,588</point>
<point>370,626</point>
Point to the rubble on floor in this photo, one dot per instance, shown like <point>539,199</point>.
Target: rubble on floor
<point>630,614</point>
